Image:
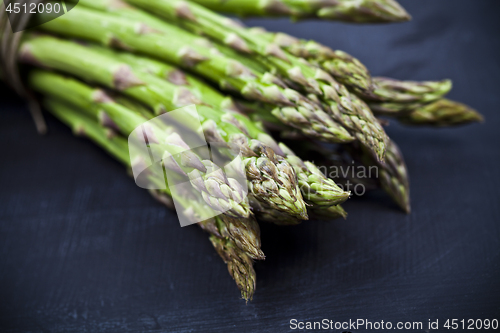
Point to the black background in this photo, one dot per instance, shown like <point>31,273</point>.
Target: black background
<point>82,249</point>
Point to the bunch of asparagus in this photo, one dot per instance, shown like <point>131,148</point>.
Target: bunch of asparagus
<point>109,66</point>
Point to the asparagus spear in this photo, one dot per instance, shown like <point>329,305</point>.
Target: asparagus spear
<point>441,113</point>
<point>343,67</point>
<point>328,213</point>
<point>349,111</point>
<point>270,177</point>
<point>267,214</point>
<point>393,108</point>
<point>392,90</point>
<point>181,48</point>
<point>392,173</point>
<point>315,188</point>
<point>239,265</point>
<point>418,103</point>
<point>393,96</point>
<point>239,261</point>
<point>364,11</point>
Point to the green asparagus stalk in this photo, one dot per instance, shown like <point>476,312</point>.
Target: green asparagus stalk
<point>349,111</point>
<point>312,151</point>
<point>290,107</point>
<point>328,213</point>
<point>239,262</point>
<point>343,67</point>
<point>392,90</point>
<point>392,173</point>
<point>394,177</point>
<point>239,265</point>
<point>244,233</point>
<point>392,96</point>
<point>364,11</point>
<point>418,103</point>
<point>270,177</point>
<point>441,113</point>
<point>393,108</point>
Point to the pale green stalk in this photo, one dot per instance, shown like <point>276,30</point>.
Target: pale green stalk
<point>357,11</point>
<point>441,113</point>
<point>343,67</point>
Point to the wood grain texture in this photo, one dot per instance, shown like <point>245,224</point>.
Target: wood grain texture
<point>82,249</point>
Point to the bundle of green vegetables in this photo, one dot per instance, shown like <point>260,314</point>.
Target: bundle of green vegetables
<point>108,66</point>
